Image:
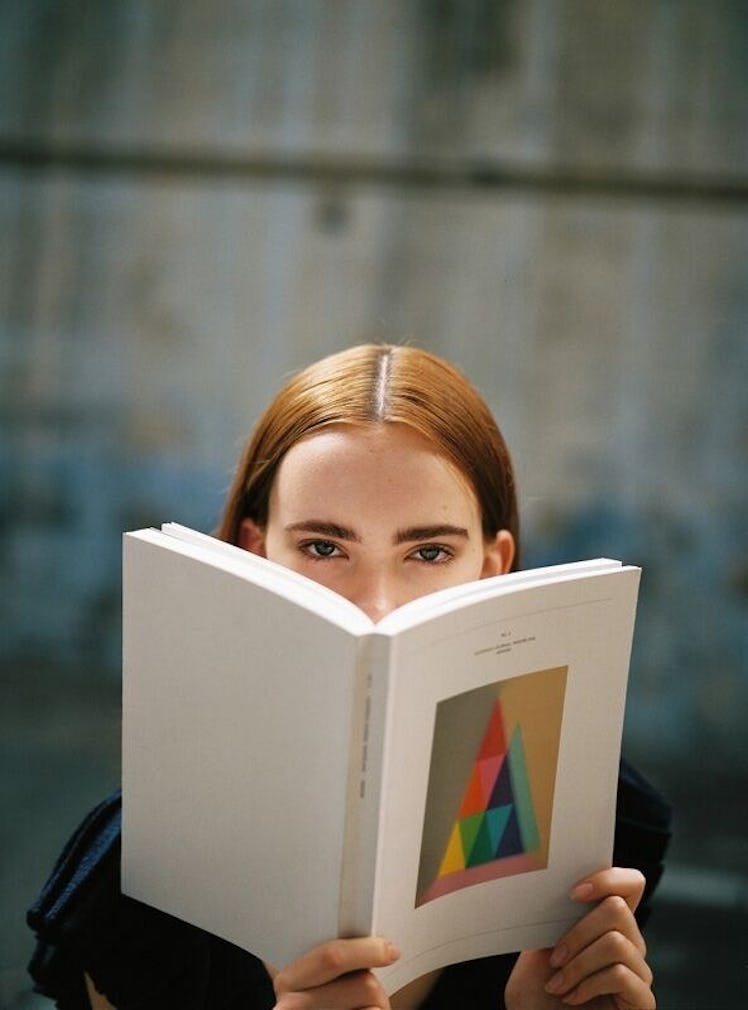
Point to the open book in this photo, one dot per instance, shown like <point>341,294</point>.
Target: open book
<point>294,772</point>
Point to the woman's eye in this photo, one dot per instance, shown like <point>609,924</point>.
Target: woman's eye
<point>320,548</point>
<point>432,553</point>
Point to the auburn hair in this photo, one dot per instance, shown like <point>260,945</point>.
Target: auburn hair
<point>374,384</point>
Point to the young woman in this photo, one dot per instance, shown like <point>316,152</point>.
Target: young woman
<point>380,473</point>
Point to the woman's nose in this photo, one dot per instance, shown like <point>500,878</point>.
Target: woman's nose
<point>376,596</point>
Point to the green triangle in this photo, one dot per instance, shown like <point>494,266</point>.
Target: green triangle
<point>528,825</point>
<point>482,851</point>
<point>469,828</point>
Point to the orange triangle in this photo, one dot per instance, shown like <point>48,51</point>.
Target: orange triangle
<point>473,800</point>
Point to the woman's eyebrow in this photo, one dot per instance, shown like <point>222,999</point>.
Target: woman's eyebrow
<point>430,533</point>
<point>325,529</point>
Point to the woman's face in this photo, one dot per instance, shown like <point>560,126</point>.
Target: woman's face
<point>377,515</point>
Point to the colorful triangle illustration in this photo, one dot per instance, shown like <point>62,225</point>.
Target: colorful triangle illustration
<point>495,818</point>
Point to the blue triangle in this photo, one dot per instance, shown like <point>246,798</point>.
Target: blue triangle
<point>497,819</point>
<point>511,840</point>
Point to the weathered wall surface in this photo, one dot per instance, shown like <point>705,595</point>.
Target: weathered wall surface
<point>196,198</point>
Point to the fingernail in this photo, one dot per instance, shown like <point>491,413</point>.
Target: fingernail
<point>555,983</point>
<point>582,892</point>
<point>559,956</point>
<point>392,952</point>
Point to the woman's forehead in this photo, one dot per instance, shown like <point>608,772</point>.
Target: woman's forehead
<point>347,465</point>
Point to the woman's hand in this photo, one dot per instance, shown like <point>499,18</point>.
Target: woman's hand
<point>336,976</point>
<point>600,963</point>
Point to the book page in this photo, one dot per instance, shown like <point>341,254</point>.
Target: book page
<point>237,714</point>
<point>274,577</point>
<point>502,748</point>
<point>445,601</point>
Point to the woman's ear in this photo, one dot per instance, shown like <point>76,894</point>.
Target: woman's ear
<point>252,537</point>
<point>498,554</point>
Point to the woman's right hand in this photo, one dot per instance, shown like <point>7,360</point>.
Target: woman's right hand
<point>336,975</point>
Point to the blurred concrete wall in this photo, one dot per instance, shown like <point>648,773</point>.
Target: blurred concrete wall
<point>197,197</point>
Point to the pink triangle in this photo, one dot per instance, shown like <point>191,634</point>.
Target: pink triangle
<point>489,769</point>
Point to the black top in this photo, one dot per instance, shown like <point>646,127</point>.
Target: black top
<point>144,959</point>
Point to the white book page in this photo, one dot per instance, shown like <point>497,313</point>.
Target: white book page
<point>317,598</point>
<point>445,601</point>
<point>225,688</point>
<point>573,642</point>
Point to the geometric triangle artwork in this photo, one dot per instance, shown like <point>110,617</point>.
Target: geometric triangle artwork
<point>489,799</point>
<point>496,818</point>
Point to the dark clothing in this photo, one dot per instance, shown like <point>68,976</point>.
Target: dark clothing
<point>143,959</point>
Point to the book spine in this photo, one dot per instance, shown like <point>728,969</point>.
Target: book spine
<point>364,787</point>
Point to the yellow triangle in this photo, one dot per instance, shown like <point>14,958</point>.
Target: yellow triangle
<point>454,858</point>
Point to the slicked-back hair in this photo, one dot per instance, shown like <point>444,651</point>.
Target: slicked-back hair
<point>374,384</point>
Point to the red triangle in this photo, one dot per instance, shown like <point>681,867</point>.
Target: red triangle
<point>494,742</point>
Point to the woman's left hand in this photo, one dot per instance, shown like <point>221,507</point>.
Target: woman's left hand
<point>600,963</point>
